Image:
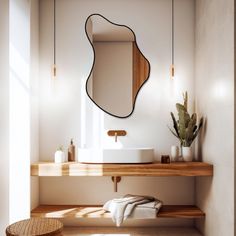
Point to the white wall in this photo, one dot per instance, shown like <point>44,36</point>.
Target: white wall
<point>15,110</point>
<point>19,109</point>
<point>215,101</point>
<point>61,101</point>
<point>34,74</point>
<point>89,30</point>
<point>4,118</point>
<point>113,76</point>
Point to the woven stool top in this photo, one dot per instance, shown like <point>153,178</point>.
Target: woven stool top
<point>35,227</point>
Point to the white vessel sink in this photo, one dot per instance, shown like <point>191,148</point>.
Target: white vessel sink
<point>123,155</point>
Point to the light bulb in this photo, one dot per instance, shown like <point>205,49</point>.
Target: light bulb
<point>54,71</point>
<point>172,71</point>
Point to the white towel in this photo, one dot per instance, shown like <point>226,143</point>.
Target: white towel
<point>122,208</point>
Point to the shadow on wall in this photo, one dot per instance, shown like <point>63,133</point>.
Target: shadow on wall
<point>200,141</point>
<point>206,182</point>
<point>206,189</point>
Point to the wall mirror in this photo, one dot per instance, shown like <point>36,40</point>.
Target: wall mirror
<point>119,68</point>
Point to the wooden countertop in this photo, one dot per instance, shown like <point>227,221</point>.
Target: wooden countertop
<point>78,211</point>
<point>152,169</point>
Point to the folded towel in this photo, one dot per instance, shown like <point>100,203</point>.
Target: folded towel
<point>143,213</point>
<point>156,204</point>
<point>122,208</point>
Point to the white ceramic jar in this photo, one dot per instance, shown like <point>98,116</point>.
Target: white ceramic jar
<point>174,153</point>
<point>59,156</point>
<point>187,153</point>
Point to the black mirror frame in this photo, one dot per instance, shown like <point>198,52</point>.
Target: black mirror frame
<point>94,58</point>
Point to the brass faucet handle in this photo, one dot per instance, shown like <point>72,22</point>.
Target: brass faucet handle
<point>116,133</point>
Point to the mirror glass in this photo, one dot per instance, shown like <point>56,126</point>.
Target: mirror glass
<point>119,69</point>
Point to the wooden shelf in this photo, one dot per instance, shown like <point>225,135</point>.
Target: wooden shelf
<point>153,169</point>
<point>77,211</point>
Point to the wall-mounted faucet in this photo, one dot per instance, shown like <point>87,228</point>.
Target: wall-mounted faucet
<point>116,133</point>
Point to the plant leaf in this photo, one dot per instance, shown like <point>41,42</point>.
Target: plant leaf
<point>174,134</point>
<point>175,125</point>
<point>185,96</point>
<point>198,129</point>
<point>180,107</point>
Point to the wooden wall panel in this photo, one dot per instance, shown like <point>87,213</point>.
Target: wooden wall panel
<point>140,70</point>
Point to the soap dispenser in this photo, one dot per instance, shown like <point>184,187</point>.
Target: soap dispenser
<point>71,151</point>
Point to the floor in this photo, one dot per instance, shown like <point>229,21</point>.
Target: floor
<point>111,231</point>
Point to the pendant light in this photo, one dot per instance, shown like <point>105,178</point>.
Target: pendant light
<point>54,68</point>
<point>172,68</point>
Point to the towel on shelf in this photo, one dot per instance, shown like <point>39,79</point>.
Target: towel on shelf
<point>122,208</point>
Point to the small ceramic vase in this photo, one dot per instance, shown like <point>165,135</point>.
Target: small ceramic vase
<point>174,153</point>
<point>187,153</point>
<point>59,156</point>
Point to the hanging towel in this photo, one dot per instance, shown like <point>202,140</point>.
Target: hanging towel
<point>122,208</point>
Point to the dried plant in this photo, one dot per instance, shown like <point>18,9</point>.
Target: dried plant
<point>185,128</point>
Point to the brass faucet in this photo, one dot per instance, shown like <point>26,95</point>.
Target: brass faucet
<point>116,133</point>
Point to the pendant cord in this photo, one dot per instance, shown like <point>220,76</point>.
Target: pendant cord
<point>172,32</point>
<point>54,33</point>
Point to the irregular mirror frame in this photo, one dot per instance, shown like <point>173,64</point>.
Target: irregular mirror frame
<point>119,68</point>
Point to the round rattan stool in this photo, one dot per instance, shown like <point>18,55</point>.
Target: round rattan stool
<point>35,227</point>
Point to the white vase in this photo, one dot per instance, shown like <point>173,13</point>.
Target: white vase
<point>59,157</point>
<point>187,153</point>
<point>174,153</point>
